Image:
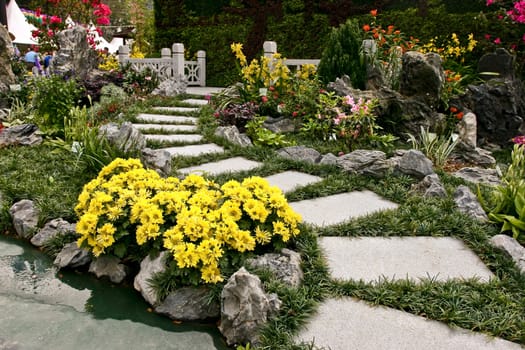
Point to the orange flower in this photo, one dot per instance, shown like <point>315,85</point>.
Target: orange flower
<point>376,35</point>
<point>373,13</point>
<point>390,29</point>
<point>459,115</point>
<point>366,27</point>
<point>397,32</point>
<point>453,109</point>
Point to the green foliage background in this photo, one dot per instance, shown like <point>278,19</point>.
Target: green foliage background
<point>301,27</point>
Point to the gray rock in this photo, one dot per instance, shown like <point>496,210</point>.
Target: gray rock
<point>422,75</point>
<point>280,125</point>
<point>500,62</point>
<point>286,266</point>
<point>415,163</point>
<point>157,159</point>
<point>512,248</point>
<point>328,159</point>
<point>431,186</point>
<point>244,308</point>
<point>473,155</point>
<point>232,135</point>
<point>109,266</point>
<point>468,129</point>
<point>125,137</point>
<point>499,105</point>
<point>189,304</point>
<point>301,153</point>
<point>20,135</point>
<point>51,229</point>
<point>25,218</point>
<point>72,256</point>
<point>75,56</point>
<point>171,87</point>
<point>479,175</point>
<point>357,161</point>
<point>148,268</point>
<point>468,204</point>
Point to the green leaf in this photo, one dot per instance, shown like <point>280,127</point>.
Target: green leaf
<point>120,250</point>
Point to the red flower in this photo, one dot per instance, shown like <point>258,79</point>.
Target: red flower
<point>264,99</point>
<point>294,114</point>
<point>1,126</point>
<point>55,19</point>
<point>453,109</point>
<point>459,116</point>
<point>366,27</point>
<point>373,13</point>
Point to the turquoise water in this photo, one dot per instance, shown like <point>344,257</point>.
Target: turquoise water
<point>80,304</point>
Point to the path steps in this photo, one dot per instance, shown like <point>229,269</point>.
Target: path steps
<point>347,323</point>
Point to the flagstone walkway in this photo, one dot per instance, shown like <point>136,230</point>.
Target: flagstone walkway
<point>347,323</point>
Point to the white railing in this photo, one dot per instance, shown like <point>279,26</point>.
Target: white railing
<point>270,48</point>
<point>171,64</point>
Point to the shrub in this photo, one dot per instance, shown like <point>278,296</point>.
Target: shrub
<point>139,82</point>
<point>129,210</point>
<point>342,55</point>
<point>509,197</point>
<point>53,98</point>
<point>436,147</point>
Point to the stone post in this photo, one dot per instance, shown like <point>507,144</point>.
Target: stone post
<point>123,54</point>
<point>165,53</point>
<point>270,48</point>
<point>178,60</point>
<point>201,61</point>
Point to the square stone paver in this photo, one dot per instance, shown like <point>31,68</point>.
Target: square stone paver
<point>373,258</point>
<point>331,210</point>
<point>189,138</point>
<point>162,118</point>
<point>349,324</point>
<point>290,180</point>
<point>222,166</point>
<point>194,150</point>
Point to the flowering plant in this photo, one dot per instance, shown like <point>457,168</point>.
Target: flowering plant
<point>347,118</point>
<point>201,223</point>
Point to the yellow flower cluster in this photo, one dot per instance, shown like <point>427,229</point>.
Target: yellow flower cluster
<point>197,220</point>
<point>109,63</point>
<point>452,49</point>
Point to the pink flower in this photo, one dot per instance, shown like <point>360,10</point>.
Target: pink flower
<point>264,99</point>
<point>520,140</point>
<point>147,78</point>
<point>487,36</point>
<point>348,100</point>
<point>55,20</point>
<point>497,41</point>
<point>490,2</point>
<point>103,21</point>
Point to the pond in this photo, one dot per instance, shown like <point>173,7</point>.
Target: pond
<point>42,308</point>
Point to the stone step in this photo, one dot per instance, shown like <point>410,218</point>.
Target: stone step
<point>195,101</point>
<point>416,258</point>
<point>222,166</point>
<point>177,109</point>
<point>168,119</point>
<point>338,208</point>
<point>172,138</point>
<point>203,90</point>
<point>165,127</point>
<point>290,180</point>
<point>347,323</point>
<point>194,150</point>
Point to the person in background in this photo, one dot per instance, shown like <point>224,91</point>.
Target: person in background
<point>48,60</point>
<point>30,58</point>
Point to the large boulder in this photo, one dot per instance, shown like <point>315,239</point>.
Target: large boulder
<point>6,53</point>
<point>125,137</point>
<point>110,267</point>
<point>415,163</point>
<point>75,57</point>
<point>286,266</point>
<point>72,256</point>
<point>149,267</point>
<point>468,203</point>
<point>25,217</point>
<point>245,307</point>
<point>20,135</point>
<point>231,134</point>
<point>52,229</point>
<point>189,304</point>
<point>422,75</point>
<point>301,153</point>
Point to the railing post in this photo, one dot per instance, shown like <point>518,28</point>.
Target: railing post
<point>123,54</point>
<point>178,60</point>
<point>165,53</point>
<point>270,48</point>
<point>201,61</point>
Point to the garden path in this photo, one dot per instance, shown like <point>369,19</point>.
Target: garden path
<point>347,323</point>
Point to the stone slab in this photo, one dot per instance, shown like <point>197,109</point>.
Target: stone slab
<point>335,209</point>
<point>194,150</point>
<point>290,180</point>
<point>29,325</point>
<point>374,258</point>
<point>195,101</point>
<point>7,249</point>
<point>203,90</point>
<point>189,138</point>
<point>347,324</point>
<point>162,118</point>
<point>166,127</point>
<point>177,109</point>
<point>222,166</point>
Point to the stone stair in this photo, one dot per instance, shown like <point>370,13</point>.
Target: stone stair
<point>347,323</point>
